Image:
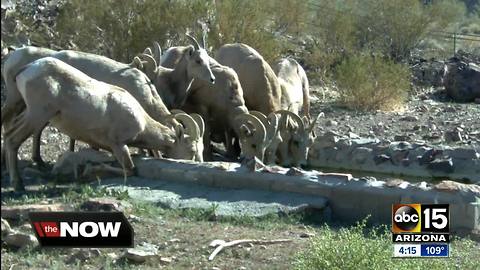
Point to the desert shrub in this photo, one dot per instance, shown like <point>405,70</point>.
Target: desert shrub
<point>333,36</point>
<point>395,28</point>
<point>246,22</point>
<point>372,83</point>
<point>122,30</point>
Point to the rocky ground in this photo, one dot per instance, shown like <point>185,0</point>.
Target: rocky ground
<point>428,116</point>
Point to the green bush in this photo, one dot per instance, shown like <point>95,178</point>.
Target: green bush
<point>372,83</point>
<point>361,248</point>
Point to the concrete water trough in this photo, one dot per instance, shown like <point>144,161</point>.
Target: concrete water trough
<point>348,198</point>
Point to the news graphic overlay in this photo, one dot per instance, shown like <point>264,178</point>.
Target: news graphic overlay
<point>82,229</point>
<point>420,230</point>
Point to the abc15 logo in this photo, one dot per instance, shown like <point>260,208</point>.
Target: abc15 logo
<point>417,218</point>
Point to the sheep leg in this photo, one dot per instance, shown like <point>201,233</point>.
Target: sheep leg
<point>13,140</point>
<point>207,147</point>
<point>122,154</point>
<point>10,114</point>
<point>36,156</point>
<point>71,145</point>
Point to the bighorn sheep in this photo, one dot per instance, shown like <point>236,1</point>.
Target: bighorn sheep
<point>290,138</point>
<point>172,83</point>
<point>224,110</point>
<point>294,84</point>
<point>297,136</point>
<point>98,113</point>
<point>262,91</point>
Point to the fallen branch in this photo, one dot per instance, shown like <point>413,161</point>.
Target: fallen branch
<point>221,244</point>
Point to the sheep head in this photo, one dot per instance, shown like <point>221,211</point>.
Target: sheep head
<point>297,135</point>
<point>188,138</point>
<point>198,61</point>
<point>273,136</point>
<point>252,135</point>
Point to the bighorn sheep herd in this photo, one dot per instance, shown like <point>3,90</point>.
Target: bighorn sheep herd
<point>176,103</point>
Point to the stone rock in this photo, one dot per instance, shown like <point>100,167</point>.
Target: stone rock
<point>402,138</point>
<point>365,141</point>
<point>21,211</point>
<point>409,118</point>
<point>448,185</point>
<point>306,235</point>
<point>464,153</point>
<point>70,163</point>
<point>361,154</point>
<point>379,159</point>
<point>104,204</point>
<point>252,164</point>
<point>6,229</point>
<point>352,135</point>
<point>331,123</point>
<point>82,255</point>
<point>295,172</point>
<point>166,260</point>
<point>26,227</point>
<point>141,253</point>
<point>462,80</point>
<point>20,240</point>
<point>397,183</point>
<point>441,165</point>
<point>453,136</point>
<point>429,156</point>
<point>398,156</point>
<point>329,139</point>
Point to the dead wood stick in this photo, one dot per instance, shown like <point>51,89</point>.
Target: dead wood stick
<point>221,244</point>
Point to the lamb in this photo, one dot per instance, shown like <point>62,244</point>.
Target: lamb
<point>294,84</point>
<point>103,115</point>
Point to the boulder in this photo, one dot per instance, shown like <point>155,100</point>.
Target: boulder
<point>20,240</point>
<point>462,80</point>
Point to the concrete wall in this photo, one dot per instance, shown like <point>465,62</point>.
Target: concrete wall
<point>400,158</point>
<point>350,199</point>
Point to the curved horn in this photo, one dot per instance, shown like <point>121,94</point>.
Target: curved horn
<point>137,63</point>
<point>200,122</point>
<point>294,117</point>
<point>149,65</point>
<point>271,124</point>
<point>191,127</point>
<point>248,119</point>
<point>195,42</point>
<point>157,52</point>
<point>148,51</point>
